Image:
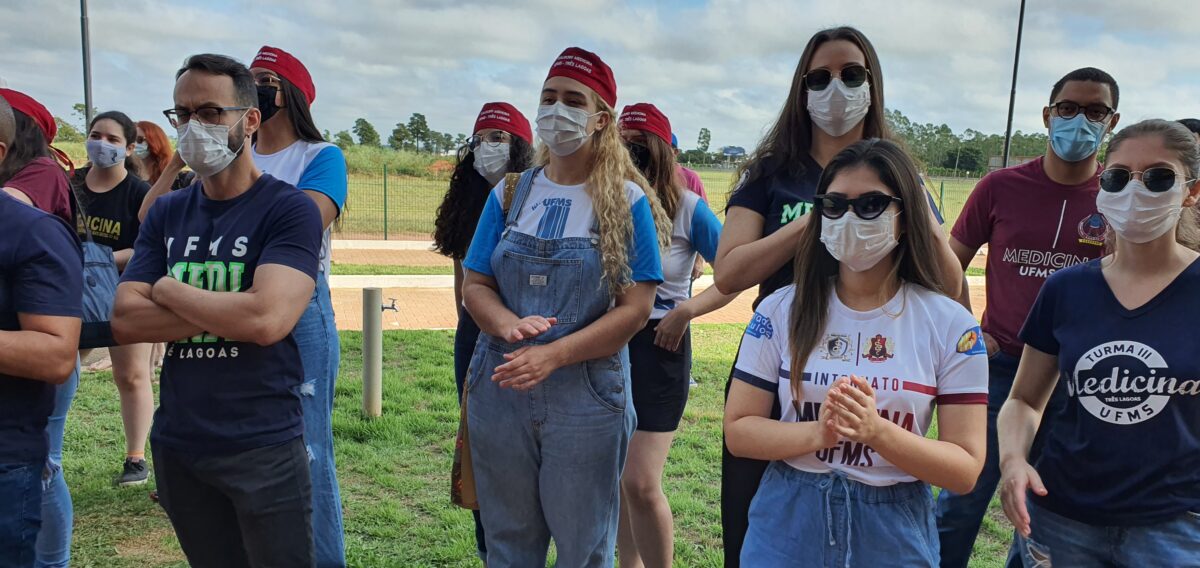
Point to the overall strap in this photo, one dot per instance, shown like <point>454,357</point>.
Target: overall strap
<point>514,199</point>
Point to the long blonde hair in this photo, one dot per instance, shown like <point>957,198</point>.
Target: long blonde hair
<point>611,167</point>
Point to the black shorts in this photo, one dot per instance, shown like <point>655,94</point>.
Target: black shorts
<point>659,379</point>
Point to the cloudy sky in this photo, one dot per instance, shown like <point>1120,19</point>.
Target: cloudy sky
<point>721,64</point>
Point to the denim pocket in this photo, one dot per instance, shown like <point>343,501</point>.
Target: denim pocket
<point>605,381</point>
<point>548,287</point>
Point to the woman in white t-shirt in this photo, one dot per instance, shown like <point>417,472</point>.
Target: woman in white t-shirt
<point>876,348</point>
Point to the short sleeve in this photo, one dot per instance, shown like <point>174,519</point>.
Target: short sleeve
<point>326,173</point>
<point>47,186</point>
<point>760,357</point>
<point>752,195</point>
<point>706,231</point>
<point>49,280</point>
<point>962,375</point>
<point>1038,331</point>
<point>487,236</point>
<point>149,261</point>
<point>645,261</point>
<point>974,226</point>
<point>294,238</point>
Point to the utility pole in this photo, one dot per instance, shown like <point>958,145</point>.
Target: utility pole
<point>1012,96</point>
<point>87,65</point>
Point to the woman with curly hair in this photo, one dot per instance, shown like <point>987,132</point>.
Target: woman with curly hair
<point>561,274</point>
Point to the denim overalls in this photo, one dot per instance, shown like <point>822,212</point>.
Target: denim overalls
<point>548,461</point>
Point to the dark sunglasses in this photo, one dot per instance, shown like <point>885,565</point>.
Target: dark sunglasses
<point>867,207</point>
<point>852,76</point>
<point>1158,180</point>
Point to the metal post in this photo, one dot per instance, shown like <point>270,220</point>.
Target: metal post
<point>87,65</point>
<point>385,203</point>
<point>1012,96</point>
<point>372,350</point>
<point>942,198</point>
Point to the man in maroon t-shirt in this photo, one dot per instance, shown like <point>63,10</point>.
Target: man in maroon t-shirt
<point>1036,218</point>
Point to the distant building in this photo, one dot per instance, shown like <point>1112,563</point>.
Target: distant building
<point>997,162</point>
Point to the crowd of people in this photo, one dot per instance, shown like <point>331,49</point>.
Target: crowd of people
<point>574,262</point>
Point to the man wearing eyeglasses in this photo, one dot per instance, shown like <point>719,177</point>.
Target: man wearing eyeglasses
<point>222,271</point>
<point>1036,218</point>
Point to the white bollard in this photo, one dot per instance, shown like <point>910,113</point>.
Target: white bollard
<point>372,350</point>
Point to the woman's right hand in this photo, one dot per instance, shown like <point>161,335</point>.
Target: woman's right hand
<point>1016,480</point>
<point>528,327</point>
<point>828,422</point>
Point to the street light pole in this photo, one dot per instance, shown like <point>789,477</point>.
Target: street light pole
<point>87,64</point>
<point>1012,96</point>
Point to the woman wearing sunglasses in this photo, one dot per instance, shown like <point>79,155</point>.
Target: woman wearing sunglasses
<point>501,144</point>
<point>836,99</point>
<point>862,350</point>
<point>1118,480</point>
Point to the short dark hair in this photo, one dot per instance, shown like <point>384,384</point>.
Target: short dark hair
<point>1088,74</point>
<point>243,82</point>
<point>1192,124</point>
<point>128,128</point>
<point>8,124</point>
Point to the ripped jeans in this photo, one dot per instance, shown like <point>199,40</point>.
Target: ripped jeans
<point>1059,541</point>
<point>316,336</point>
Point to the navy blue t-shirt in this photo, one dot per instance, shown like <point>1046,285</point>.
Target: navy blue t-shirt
<point>218,395</point>
<point>41,272</point>
<point>1126,450</point>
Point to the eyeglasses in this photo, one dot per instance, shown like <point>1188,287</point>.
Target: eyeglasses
<point>206,114</point>
<point>1094,112</point>
<point>852,76</point>
<point>867,207</point>
<point>1157,180</point>
<point>492,139</point>
<point>267,81</point>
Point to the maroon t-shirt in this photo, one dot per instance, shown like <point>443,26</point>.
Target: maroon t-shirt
<point>45,183</point>
<point>1033,226</point>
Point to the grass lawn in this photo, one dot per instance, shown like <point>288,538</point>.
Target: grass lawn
<point>338,269</point>
<point>394,471</point>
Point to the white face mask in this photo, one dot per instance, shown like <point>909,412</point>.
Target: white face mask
<point>205,147</point>
<point>104,154</point>
<point>857,243</point>
<point>562,128</point>
<point>1139,215</point>
<point>141,150</point>
<point>838,108</point>
<point>491,161</point>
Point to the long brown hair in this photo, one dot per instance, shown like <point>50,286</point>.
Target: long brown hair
<point>160,151</point>
<point>1179,140</point>
<point>816,270</point>
<point>784,147</point>
<point>662,174</point>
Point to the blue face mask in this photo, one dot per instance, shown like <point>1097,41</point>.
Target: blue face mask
<point>1075,139</point>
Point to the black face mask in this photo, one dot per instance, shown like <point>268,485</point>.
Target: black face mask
<point>266,102</point>
<point>640,155</point>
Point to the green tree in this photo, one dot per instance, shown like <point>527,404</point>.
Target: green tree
<point>704,141</point>
<point>67,132</point>
<point>418,128</point>
<point>325,135</point>
<point>460,140</point>
<point>965,159</point>
<point>343,140</point>
<point>80,111</point>
<point>401,138</point>
<point>367,136</point>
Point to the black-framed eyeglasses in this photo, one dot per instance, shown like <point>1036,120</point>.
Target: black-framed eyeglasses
<point>206,114</point>
<point>867,207</point>
<point>1157,180</point>
<point>1096,112</point>
<point>852,76</point>
<point>492,139</point>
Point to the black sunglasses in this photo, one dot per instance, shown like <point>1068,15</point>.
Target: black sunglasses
<point>867,207</point>
<point>1158,180</point>
<point>852,76</point>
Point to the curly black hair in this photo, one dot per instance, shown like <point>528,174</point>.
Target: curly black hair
<point>463,204</point>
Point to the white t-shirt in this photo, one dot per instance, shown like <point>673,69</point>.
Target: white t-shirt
<point>315,166</point>
<point>695,230</point>
<point>918,350</point>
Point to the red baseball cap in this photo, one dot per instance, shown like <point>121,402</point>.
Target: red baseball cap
<point>34,110</point>
<point>647,117</point>
<point>503,116</point>
<point>288,67</point>
<point>587,68</point>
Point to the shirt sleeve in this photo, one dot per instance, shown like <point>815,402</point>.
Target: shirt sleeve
<point>974,226</point>
<point>760,357</point>
<point>47,186</point>
<point>1038,331</point>
<point>49,281</point>
<point>645,260</point>
<point>487,236</point>
<point>962,375</point>
<point>294,237</point>
<point>149,261</point>
<point>751,195</point>
<point>326,173</point>
<point>706,231</point>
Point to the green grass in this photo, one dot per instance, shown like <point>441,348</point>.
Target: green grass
<point>389,270</point>
<point>394,471</point>
<point>971,271</point>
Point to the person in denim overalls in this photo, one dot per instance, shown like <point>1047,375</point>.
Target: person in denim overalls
<point>559,277</point>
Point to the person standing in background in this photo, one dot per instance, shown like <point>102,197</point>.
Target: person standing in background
<point>154,154</point>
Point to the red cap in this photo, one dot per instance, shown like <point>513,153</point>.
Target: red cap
<point>645,116</point>
<point>503,116</point>
<point>34,110</point>
<point>587,68</point>
<point>288,67</point>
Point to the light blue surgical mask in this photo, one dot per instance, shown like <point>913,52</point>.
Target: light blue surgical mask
<point>1077,138</point>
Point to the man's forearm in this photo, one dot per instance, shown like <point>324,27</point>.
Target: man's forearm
<point>140,320</point>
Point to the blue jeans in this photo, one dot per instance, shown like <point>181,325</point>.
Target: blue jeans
<point>58,513</point>
<point>465,338</point>
<point>1059,541</point>
<point>807,519</point>
<point>960,516</point>
<point>316,336</point>
<point>20,512</point>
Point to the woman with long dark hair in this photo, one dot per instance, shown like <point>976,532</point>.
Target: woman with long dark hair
<point>836,99</point>
<point>501,144</point>
<point>861,351</point>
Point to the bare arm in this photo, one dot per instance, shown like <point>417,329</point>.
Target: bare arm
<point>264,314</point>
<point>19,196</point>
<point>751,433</point>
<point>44,349</point>
<point>1016,426</point>
<point>328,209</point>
<point>745,257</point>
<point>162,186</point>
<point>965,255</point>
<point>459,278</point>
<point>948,259</point>
<point>122,258</point>
<point>137,319</point>
<point>669,332</point>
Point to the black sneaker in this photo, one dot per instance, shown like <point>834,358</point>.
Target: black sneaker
<point>134,473</point>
